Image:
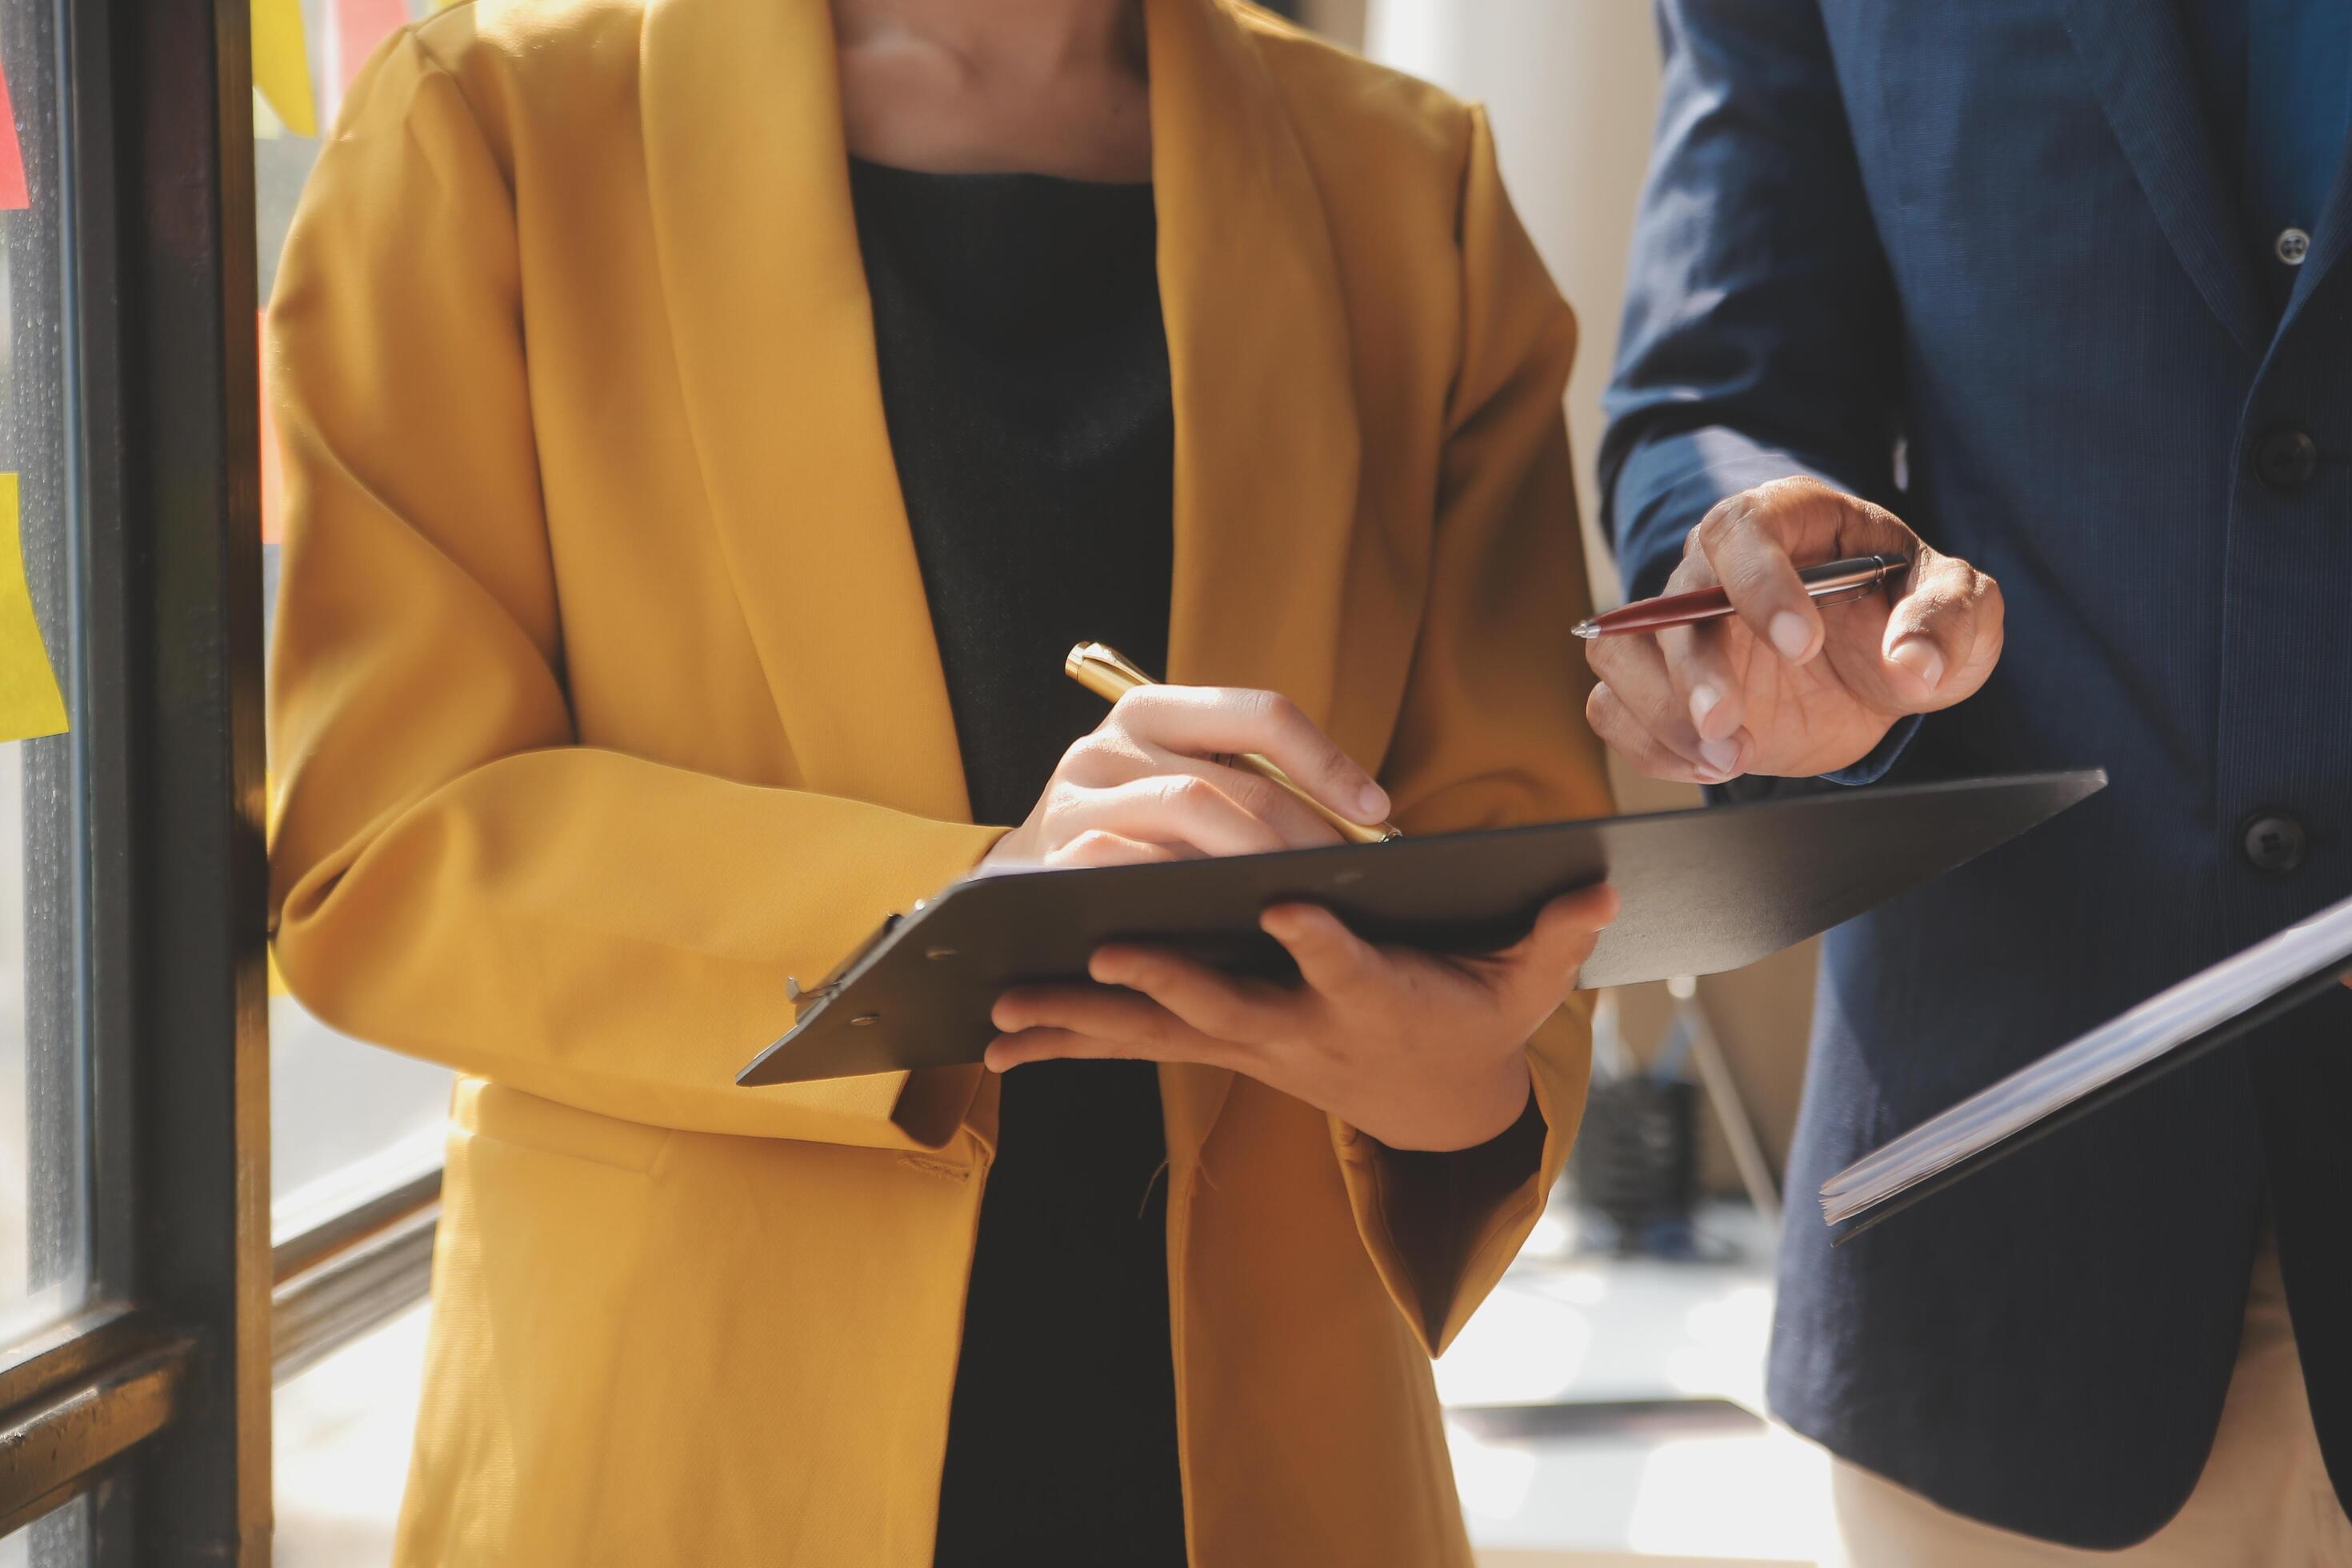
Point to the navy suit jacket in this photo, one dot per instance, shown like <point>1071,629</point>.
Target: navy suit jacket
<point>1981,262</point>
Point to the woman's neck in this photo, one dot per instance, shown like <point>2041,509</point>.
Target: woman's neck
<point>1053,87</point>
<point>1039,37</point>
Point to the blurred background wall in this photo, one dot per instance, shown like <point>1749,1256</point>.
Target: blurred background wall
<point>1571,87</point>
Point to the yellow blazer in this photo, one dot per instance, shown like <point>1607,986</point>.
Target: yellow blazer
<point>605,697</point>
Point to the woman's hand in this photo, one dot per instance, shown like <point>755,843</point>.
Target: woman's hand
<point>1145,786</point>
<point>1416,1049</point>
<point>1781,688</point>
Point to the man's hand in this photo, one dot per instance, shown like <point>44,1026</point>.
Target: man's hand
<point>1420,1050</point>
<point>1784,687</point>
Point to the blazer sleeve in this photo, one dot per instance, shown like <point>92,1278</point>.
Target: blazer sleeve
<point>1762,337</point>
<point>453,874</point>
<point>1492,732</point>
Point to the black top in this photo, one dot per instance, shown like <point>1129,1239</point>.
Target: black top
<point>1024,377</point>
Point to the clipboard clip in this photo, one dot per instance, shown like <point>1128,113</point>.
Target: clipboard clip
<point>802,996</point>
<point>807,998</point>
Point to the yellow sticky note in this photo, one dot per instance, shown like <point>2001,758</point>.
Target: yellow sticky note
<point>281,64</point>
<point>30,704</point>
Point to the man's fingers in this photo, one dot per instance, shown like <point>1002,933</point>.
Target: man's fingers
<point>1213,721</point>
<point>1626,735</point>
<point>1698,665</point>
<point>1940,640</point>
<point>1753,541</point>
<point>1236,1010</point>
<point>1943,635</point>
<point>1633,668</point>
<point>1742,541</point>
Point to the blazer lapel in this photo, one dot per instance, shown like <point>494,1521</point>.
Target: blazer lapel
<point>1258,349</point>
<point>1267,454</point>
<point>2329,246</point>
<point>2141,68</point>
<point>749,179</point>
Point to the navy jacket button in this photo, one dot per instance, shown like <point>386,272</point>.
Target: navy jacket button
<point>2274,842</point>
<point>2285,458</point>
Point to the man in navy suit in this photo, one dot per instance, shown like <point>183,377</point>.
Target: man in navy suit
<point>2055,293</point>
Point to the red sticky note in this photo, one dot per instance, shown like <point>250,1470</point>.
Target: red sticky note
<point>360,27</point>
<point>13,195</point>
<point>273,474</point>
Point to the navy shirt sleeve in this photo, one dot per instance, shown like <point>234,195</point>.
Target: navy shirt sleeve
<point>1762,337</point>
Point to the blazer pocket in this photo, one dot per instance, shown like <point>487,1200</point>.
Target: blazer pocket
<point>539,1292</point>
<point>493,1110</point>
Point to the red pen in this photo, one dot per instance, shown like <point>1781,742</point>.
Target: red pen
<point>1831,583</point>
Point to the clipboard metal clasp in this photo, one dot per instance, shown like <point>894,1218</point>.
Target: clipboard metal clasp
<point>805,998</point>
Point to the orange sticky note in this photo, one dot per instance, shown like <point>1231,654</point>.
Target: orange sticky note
<point>360,27</point>
<point>281,64</point>
<point>13,197</point>
<point>30,703</point>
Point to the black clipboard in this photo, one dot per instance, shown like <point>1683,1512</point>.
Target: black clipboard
<point>1703,890</point>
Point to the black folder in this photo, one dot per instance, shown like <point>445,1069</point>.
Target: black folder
<point>1702,892</point>
<point>2165,1033</point>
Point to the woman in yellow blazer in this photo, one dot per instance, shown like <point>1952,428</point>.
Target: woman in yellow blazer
<point>606,696</point>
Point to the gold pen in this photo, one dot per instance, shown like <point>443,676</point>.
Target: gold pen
<point>1105,673</point>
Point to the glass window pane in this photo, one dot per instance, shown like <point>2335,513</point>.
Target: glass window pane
<point>347,1120</point>
<point>44,1227</point>
<point>59,1539</point>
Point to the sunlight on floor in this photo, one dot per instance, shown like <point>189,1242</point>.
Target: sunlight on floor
<point>342,1430</point>
<point>1662,1472</point>
<point>1564,1328</point>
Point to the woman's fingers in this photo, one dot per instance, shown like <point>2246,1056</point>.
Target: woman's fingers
<point>1009,1051</point>
<point>1213,721</point>
<point>1096,1021</point>
<point>1241,1011</point>
<point>1331,959</point>
<point>1539,970</point>
<point>1168,808</point>
<point>1296,824</point>
<point>1096,847</point>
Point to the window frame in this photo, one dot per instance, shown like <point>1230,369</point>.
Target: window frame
<point>155,1400</point>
